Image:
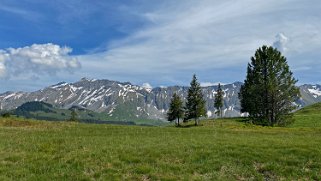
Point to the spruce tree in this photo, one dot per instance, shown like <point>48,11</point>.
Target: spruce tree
<point>176,110</point>
<point>195,105</point>
<point>269,89</point>
<point>218,102</point>
<point>73,116</point>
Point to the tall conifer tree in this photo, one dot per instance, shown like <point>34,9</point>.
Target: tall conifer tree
<point>269,89</point>
<point>218,102</point>
<point>73,115</point>
<point>176,110</point>
<point>195,105</point>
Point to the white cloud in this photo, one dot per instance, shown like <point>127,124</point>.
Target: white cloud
<point>35,60</point>
<point>2,69</point>
<point>21,12</point>
<point>280,43</point>
<point>214,39</point>
<point>147,86</point>
<point>208,84</point>
<point>195,36</point>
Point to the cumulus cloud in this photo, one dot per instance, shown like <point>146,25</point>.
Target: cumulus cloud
<point>208,84</point>
<point>197,36</point>
<point>37,59</point>
<point>147,86</point>
<point>281,42</point>
<point>215,40</point>
<point>2,68</point>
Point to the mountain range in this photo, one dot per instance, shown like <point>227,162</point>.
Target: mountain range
<point>123,101</point>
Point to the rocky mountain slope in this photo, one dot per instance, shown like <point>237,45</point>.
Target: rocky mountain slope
<point>310,94</point>
<point>124,101</point>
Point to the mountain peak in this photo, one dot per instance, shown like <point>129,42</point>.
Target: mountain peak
<point>87,79</point>
<point>60,84</point>
<point>124,101</point>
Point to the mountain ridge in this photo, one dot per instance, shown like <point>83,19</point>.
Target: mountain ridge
<point>125,101</point>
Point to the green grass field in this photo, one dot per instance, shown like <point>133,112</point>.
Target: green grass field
<point>225,149</point>
<point>308,117</point>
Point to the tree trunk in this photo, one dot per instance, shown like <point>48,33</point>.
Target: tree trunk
<point>178,122</point>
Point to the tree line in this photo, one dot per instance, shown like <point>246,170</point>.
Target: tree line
<point>267,95</point>
<point>195,104</point>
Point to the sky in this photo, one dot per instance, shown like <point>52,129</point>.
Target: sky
<point>151,42</point>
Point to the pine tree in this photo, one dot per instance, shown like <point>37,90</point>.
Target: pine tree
<point>269,90</point>
<point>176,110</point>
<point>73,116</point>
<point>218,102</point>
<point>195,105</point>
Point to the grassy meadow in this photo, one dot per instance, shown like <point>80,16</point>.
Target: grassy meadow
<point>222,149</point>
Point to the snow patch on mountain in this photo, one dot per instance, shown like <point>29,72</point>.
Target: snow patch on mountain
<point>59,85</point>
<point>146,102</point>
<point>13,95</point>
<point>315,92</point>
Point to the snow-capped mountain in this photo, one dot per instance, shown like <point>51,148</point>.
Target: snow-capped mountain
<point>124,101</point>
<point>310,94</point>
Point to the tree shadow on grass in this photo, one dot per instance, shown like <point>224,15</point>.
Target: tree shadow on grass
<point>243,120</point>
<point>188,125</point>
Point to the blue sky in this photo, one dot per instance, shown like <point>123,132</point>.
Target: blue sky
<point>150,41</point>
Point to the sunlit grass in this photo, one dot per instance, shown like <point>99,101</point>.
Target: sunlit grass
<point>308,117</point>
<point>223,149</point>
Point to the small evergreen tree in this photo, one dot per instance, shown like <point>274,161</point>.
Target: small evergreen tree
<point>6,115</point>
<point>176,110</point>
<point>269,89</point>
<point>218,102</point>
<point>195,105</point>
<point>73,116</point>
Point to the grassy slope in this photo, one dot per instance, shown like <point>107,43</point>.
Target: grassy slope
<point>84,115</point>
<point>308,117</point>
<point>222,149</point>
